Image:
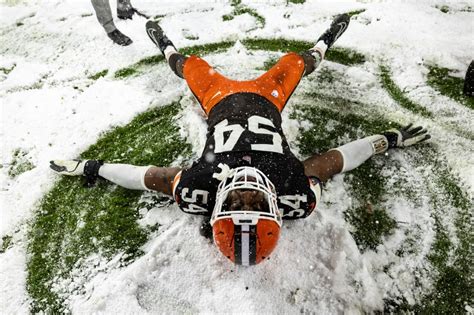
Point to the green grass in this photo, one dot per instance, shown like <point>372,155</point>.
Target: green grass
<point>450,261</point>
<point>295,1</point>
<point>20,163</point>
<point>370,226</point>
<point>240,9</point>
<point>335,110</point>
<point>158,17</point>
<point>152,137</point>
<point>443,8</point>
<point>343,56</point>
<point>73,222</point>
<point>6,242</point>
<point>327,76</point>
<point>227,17</point>
<point>7,70</point>
<point>246,10</point>
<point>270,62</point>
<point>368,216</point>
<point>355,12</point>
<point>398,95</point>
<point>207,48</point>
<point>371,223</point>
<point>191,37</point>
<point>452,288</point>
<point>449,86</point>
<point>136,68</point>
<point>453,262</point>
<point>125,72</point>
<point>99,75</point>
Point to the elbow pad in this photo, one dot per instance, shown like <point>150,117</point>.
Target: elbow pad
<point>357,152</point>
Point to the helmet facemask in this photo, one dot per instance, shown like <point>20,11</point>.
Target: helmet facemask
<point>234,192</point>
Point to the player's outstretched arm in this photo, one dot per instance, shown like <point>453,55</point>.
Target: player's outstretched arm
<point>353,154</point>
<point>129,176</point>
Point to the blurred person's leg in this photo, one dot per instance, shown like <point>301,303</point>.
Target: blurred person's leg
<point>124,9</point>
<point>104,16</point>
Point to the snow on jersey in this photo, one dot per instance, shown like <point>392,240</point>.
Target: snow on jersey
<point>245,130</point>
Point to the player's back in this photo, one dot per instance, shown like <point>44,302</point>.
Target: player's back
<point>245,130</point>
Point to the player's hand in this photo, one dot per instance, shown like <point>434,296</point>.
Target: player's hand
<point>68,167</point>
<point>406,136</point>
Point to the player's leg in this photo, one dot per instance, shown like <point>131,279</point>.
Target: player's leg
<point>207,84</point>
<point>124,9</point>
<point>278,83</point>
<point>281,80</point>
<point>314,56</point>
<point>104,14</point>
<point>173,57</point>
<point>202,79</point>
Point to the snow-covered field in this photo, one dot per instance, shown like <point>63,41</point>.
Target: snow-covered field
<point>50,108</point>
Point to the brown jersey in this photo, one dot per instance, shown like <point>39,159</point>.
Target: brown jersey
<point>245,130</point>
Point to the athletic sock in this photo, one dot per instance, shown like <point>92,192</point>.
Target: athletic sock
<point>313,57</point>
<point>319,50</point>
<point>168,51</point>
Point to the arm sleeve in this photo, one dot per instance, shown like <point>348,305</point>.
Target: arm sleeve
<point>125,175</point>
<point>357,152</point>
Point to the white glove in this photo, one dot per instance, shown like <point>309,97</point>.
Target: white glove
<point>68,167</point>
<point>406,136</point>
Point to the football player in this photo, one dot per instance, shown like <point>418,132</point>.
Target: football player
<point>247,181</point>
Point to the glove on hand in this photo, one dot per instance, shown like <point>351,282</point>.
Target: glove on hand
<point>406,136</point>
<point>88,168</point>
<point>68,167</point>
